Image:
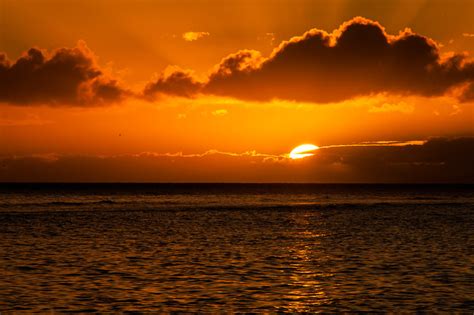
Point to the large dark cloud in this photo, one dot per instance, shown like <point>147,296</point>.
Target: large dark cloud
<point>438,160</point>
<point>66,76</point>
<point>357,59</point>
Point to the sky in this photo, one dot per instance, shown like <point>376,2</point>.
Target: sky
<point>223,91</point>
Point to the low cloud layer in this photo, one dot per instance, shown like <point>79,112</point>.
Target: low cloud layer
<point>67,76</point>
<point>359,58</point>
<point>437,160</point>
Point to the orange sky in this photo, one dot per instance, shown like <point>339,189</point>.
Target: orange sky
<point>139,79</point>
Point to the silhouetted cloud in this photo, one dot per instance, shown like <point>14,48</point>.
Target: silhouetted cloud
<point>65,76</point>
<point>359,58</point>
<point>436,160</point>
<point>173,81</point>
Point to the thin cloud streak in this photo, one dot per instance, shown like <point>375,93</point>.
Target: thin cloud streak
<point>382,143</point>
<point>251,153</point>
<point>279,157</point>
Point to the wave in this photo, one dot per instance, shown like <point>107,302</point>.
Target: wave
<point>120,206</point>
<point>58,203</point>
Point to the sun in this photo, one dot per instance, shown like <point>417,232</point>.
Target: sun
<point>303,151</point>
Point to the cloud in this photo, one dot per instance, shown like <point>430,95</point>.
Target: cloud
<point>467,93</point>
<point>435,160</point>
<point>381,143</point>
<point>220,112</point>
<point>193,36</point>
<point>173,81</point>
<point>467,35</point>
<point>29,120</point>
<point>401,107</point>
<point>359,58</point>
<point>252,154</point>
<point>65,76</point>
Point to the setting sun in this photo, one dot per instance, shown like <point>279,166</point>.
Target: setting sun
<point>303,151</point>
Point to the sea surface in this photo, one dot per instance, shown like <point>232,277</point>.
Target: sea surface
<point>236,248</point>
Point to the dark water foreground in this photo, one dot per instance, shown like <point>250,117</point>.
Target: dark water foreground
<point>298,248</point>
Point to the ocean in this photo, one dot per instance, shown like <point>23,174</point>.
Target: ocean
<point>142,248</point>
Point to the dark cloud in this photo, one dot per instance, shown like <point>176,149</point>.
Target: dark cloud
<point>357,59</point>
<point>66,76</point>
<point>438,160</point>
<point>175,82</point>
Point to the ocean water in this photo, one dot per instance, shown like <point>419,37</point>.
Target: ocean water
<point>236,247</point>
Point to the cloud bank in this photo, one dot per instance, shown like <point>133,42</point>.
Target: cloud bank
<point>437,160</point>
<point>359,58</point>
